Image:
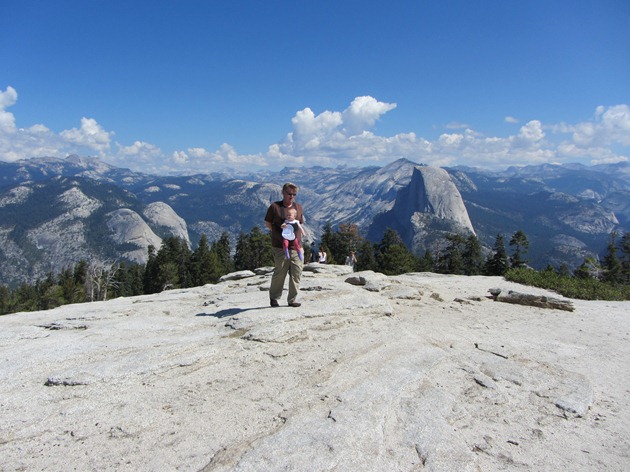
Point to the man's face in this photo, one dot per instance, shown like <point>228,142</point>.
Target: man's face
<point>289,195</point>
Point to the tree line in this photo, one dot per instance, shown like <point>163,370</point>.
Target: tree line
<point>175,265</point>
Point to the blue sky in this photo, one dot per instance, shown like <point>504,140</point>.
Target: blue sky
<point>197,86</point>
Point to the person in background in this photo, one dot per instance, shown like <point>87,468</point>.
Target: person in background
<point>322,256</point>
<point>351,260</point>
<point>274,218</point>
<point>313,252</point>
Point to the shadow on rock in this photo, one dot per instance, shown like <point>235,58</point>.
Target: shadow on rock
<point>229,312</point>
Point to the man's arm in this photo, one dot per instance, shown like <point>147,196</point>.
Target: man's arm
<point>269,217</point>
<point>302,230</point>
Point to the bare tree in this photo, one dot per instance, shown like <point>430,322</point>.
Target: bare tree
<point>101,275</point>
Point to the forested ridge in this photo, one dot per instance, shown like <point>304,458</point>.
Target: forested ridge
<point>175,265</point>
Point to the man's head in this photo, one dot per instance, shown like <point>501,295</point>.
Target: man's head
<point>289,190</point>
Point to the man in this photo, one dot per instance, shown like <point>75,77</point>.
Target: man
<point>293,265</point>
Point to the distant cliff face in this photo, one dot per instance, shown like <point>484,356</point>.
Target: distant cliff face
<point>425,211</point>
<point>54,212</point>
<point>48,226</point>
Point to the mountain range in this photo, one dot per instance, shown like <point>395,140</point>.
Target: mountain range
<point>55,212</point>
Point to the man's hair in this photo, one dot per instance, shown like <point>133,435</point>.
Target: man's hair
<point>290,186</point>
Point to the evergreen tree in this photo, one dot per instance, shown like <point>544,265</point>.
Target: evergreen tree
<point>127,280</point>
<point>205,267</point>
<point>452,261</point>
<point>426,262</point>
<point>521,244</point>
<point>563,270</point>
<point>328,241</point>
<point>5,300</point>
<point>25,298</point>
<point>392,256</point>
<point>588,269</point>
<point>221,248</point>
<point>253,250</point>
<point>72,286</point>
<point>172,263</point>
<point>135,279</point>
<point>473,258</point>
<point>80,274</point>
<point>150,282</point>
<point>611,263</point>
<point>365,257</point>
<point>341,243</point>
<point>497,264</point>
<point>624,245</point>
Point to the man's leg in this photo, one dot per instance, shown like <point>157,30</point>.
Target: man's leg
<point>295,275</point>
<point>279,273</point>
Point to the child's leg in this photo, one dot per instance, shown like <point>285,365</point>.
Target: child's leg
<point>285,245</point>
<point>298,248</point>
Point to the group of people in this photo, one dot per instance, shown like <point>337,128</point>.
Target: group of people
<point>285,220</point>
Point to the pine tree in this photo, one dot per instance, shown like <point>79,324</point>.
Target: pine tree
<point>452,261</point>
<point>345,240</point>
<point>5,300</point>
<point>253,250</point>
<point>473,258</point>
<point>365,257</point>
<point>204,265</point>
<point>611,263</point>
<point>328,242</point>
<point>497,264</point>
<point>425,263</point>
<point>521,244</point>
<point>392,256</point>
<point>624,245</point>
<point>221,248</point>
<point>151,283</point>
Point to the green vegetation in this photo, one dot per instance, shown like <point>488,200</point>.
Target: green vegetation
<point>569,286</point>
<point>176,266</point>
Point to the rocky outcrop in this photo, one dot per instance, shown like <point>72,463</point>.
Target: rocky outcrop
<point>129,229</point>
<point>162,216</point>
<point>371,373</point>
<point>425,211</point>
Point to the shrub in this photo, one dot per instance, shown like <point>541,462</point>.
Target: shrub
<point>572,287</point>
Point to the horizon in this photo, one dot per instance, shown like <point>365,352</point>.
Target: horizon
<point>203,87</point>
<point>239,173</point>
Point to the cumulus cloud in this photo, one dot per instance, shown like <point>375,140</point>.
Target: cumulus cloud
<point>331,135</point>
<point>332,138</point>
<point>90,135</point>
<point>7,120</point>
<point>363,113</point>
<point>324,139</point>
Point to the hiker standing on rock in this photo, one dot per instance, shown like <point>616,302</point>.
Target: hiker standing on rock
<point>276,214</point>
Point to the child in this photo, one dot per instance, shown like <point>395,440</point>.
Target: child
<point>292,231</point>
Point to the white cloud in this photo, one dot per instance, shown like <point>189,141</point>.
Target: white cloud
<point>7,120</point>
<point>331,138</point>
<point>180,157</point>
<point>363,113</point>
<point>138,152</point>
<point>91,135</point>
<point>322,139</point>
